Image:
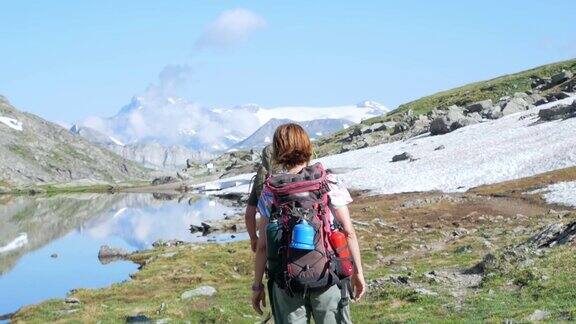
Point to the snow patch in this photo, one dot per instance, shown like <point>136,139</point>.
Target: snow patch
<point>12,123</point>
<point>18,242</point>
<point>562,193</point>
<point>509,148</point>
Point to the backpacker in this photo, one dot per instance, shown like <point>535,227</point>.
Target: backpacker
<point>299,199</point>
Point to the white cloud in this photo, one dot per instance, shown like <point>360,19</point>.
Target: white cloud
<point>231,28</point>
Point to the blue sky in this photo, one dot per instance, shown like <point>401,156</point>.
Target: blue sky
<point>66,60</point>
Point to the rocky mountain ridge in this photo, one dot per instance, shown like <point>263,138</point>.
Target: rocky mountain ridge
<point>34,151</point>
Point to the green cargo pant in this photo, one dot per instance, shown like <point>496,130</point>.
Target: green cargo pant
<point>324,307</point>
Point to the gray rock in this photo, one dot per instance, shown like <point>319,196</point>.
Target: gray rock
<point>557,96</point>
<point>534,98</point>
<point>424,291</point>
<point>561,77</point>
<point>420,126</point>
<point>72,300</point>
<point>441,147</point>
<point>515,105</point>
<point>389,124</point>
<point>400,127</point>
<point>197,292</point>
<point>558,112</point>
<point>365,129</point>
<point>167,243</point>
<point>439,126</point>
<point>478,106</point>
<point>494,112</point>
<point>454,113</point>
<point>402,157</point>
<point>378,127</point>
<point>539,315</point>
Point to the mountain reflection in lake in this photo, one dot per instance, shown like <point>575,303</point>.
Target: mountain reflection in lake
<point>49,245</point>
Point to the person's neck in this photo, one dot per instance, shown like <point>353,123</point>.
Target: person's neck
<point>297,168</point>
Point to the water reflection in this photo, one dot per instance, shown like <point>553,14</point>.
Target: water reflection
<point>49,245</point>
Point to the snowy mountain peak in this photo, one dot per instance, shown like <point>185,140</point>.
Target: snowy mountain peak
<point>372,104</point>
<point>170,120</point>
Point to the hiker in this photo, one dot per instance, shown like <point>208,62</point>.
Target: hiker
<point>304,216</point>
<point>267,168</point>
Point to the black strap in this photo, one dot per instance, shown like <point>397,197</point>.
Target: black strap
<point>270,290</point>
<point>345,292</point>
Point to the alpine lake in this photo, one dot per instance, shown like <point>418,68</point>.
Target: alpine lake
<point>49,245</point>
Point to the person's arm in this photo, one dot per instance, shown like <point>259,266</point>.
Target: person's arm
<point>250,213</point>
<point>358,283</point>
<point>250,220</point>
<point>258,294</point>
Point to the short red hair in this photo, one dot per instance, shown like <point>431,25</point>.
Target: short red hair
<point>291,145</point>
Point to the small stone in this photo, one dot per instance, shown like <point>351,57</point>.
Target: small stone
<point>438,148</point>
<point>424,291</point>
<point>54,255</point>
<point>539,315</point>
<point>200,291</point>
<point>72,300</point>
<point>402,157</point>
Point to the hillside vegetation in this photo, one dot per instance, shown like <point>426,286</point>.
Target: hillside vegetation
<point>492,89</point>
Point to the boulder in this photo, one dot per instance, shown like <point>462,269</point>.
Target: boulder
<point>533,98</point>
<point>389,124</point>
<point>454,113</point>
<point>515,105</point>
<point>558,112</point>
<point>365,130</point>
<point>198,292</point>
<point>539,315</point>
<point>378,127</point>
<point>400,127</point>
<point>478,106</point>
<point>355,131</point>
<point>402,157</point>
<point>561,77</point>
<point>421,125</point>
<point>465,121</point>
<point>439,126</point>
<point>556,96</point>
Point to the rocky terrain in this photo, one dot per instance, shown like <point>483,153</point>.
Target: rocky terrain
<point>447,111</point>
<point>34,151</point>
<point>495,253</point>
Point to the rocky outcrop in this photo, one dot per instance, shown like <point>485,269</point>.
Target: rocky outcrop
<point>35,151</point>
<point>558,112</point>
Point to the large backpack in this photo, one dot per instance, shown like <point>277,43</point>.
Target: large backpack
<point>295,197</point>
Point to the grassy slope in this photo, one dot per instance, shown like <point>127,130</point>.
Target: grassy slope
<point>461,96</point>
<point>420,243</point>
